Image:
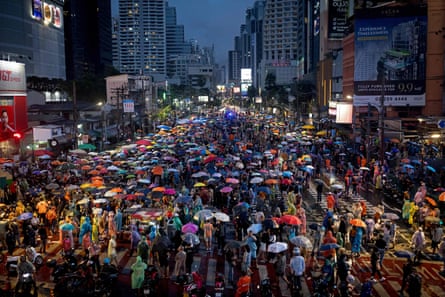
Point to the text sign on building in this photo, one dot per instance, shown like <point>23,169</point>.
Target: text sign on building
<point>390,51</point>
<point>246,80</point>
<point>12,78</point>
<point>128,105</point>
<point>337,18</point>
<point>47,12</point>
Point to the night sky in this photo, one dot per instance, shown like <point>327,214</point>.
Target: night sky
<point>210,22</point>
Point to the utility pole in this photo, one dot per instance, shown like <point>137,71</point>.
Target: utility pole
<point>75,116</point>
<point>381,122</point>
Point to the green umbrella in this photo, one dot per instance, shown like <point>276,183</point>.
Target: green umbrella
<point>87,146</point>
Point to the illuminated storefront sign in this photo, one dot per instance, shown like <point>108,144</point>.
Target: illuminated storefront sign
<point>46,12</point>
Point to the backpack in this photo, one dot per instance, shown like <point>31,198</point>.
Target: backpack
<point>414,284</point>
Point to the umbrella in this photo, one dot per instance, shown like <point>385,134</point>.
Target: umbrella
<point>277,247</point>
<point>220,216</point>
<point>203,214</point>
<point>231,180</point>
<point>190,238</point>
<point>170,191</point>
<point>329,246</point>
<point>52,186</point>
<point>234,244</point>
<point>442,197</point>
<point>226,189</point>
<point>100,200</point>
<point>161,243</point>
<point>164,127</point>
<point>390,216</point>
<point>308,127</point>
<point>87,146</point>
<point>110,194</point>
<point>25,216</point>
<point>270,224</point>
<point>183,199</point>
<point>357,223</point>
<point>256,180</point>
<point>255,228</point>
<point>78,152</point>
<point>431,169</point>
<point>301,241</point>
<point>364,168</point>
<point>189,228</point>
<point>271,181</point>
<point>144,181</point>
<point>83,201</point>
<point>431,201</point>
<point>404,254</point>
<point>337,187</point>
<point>199,185</point>
<point>157,170</point>
<point>290,220</point>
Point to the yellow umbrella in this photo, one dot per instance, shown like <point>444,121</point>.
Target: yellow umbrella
<point>308,127</point>
<point>197,185</point>
<point>86,186</point>
<point>321,133</point>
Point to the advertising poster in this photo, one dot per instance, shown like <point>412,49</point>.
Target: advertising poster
<point>337,18</point>
<point>390,56</point>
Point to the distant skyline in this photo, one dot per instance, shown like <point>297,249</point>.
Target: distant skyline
<point>211,22</point>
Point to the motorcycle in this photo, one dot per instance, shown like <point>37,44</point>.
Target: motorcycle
<point>151,281</point>
<point>193,287</point>
<point>26,286</point>
<point>219,285</point>
<point>68,265</point>
<point>33,256</point>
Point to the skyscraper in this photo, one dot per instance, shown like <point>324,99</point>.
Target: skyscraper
<point>88,38</point>
<point>142,38</point>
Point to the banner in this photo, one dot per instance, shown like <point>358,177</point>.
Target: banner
<point>337,18</point>
<point>128,105</point>
<point>390,56</point>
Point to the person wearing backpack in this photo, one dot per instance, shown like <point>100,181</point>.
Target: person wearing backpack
<point>414,284</point>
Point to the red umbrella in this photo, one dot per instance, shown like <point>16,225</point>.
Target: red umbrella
<point>143,142</point>
<point>170,191</point>
<point>290,220</point>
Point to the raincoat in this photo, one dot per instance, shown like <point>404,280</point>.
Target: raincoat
<point>357,240</point>
<point>137,276</point>
<point>86,227</point>
<point>406,208</point>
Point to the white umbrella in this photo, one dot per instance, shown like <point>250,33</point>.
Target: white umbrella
<point>100,200</point>
<point>255,228</point>
<point>83,201</point>
<point>256,180</point>
<point>301,241</point>
<point>109,194</point>
<point>220,216</point>
<point>277,247</point>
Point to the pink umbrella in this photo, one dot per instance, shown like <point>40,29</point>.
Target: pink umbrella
<point>232,180</point>
<point>170,191</point>
<point>189,228</point>
<point>226,190</point>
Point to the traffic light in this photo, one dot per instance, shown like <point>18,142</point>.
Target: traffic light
<point>17,136</point>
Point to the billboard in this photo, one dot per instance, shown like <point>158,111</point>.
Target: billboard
<point>344,113</point>
<point>246,80</point>
<point>12,78</point>
<point>390,56</point>
<point>47,12</point>
<point>337,18</point>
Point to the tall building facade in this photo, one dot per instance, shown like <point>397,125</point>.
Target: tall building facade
<point>284,40</point>
<point>88,48</point>
<point>32,33</point>
<point>142,38</point>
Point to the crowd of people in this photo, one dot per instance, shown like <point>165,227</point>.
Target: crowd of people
<point>230,163</point>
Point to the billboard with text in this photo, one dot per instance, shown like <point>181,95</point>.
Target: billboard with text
<point>390,56</point>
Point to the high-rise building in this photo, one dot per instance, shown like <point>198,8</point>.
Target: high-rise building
<point>87,38</point>
<point>284,40</point>
<point>175,44</point>
<point>31,32</point>
<point>142,38</point>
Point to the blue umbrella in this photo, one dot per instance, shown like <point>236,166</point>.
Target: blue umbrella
<point>431,169</point>
<point>255,228</point>
<point>287,174</point>
<point>164,127</point>
<point>329,246</point>
<point>183,199</point>
<point>25,216</point>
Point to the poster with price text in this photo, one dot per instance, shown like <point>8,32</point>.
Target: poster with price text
<point>390,56</point>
